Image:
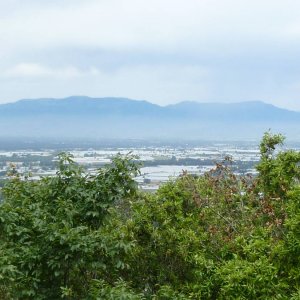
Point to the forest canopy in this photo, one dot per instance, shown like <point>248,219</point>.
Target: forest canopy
<point>216,236</point>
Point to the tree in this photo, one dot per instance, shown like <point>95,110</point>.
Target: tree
<point>53,238</point>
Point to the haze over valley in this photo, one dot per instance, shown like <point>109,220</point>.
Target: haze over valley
<point>85,118</point>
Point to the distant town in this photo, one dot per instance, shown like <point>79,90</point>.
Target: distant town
<point>159,163</point>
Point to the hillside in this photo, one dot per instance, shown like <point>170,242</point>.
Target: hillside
<point>84,117</point>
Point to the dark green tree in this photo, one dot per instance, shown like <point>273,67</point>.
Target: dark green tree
<point>53,238</point>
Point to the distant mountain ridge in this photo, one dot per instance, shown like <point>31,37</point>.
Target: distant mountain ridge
<point>80,116</point>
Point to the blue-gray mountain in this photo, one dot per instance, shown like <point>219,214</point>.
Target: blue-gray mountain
<point>84,117</point>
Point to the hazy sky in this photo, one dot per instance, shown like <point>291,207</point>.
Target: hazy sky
<point>163,51</point>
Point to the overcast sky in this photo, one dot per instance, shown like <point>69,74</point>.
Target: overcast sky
<point>164,51</point>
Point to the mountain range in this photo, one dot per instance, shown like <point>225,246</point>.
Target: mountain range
<point>115,118</point>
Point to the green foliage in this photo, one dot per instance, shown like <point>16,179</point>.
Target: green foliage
<point>217,236</point>
<point>103,291</point>
<point>52,231</point>
<point>277,173</point>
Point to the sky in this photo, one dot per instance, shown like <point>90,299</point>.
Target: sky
<point>163,51</point>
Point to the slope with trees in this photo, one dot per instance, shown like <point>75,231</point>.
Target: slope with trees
<point>217,236</point>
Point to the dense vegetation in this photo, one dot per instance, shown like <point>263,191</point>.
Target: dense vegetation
<point>218,236</point>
